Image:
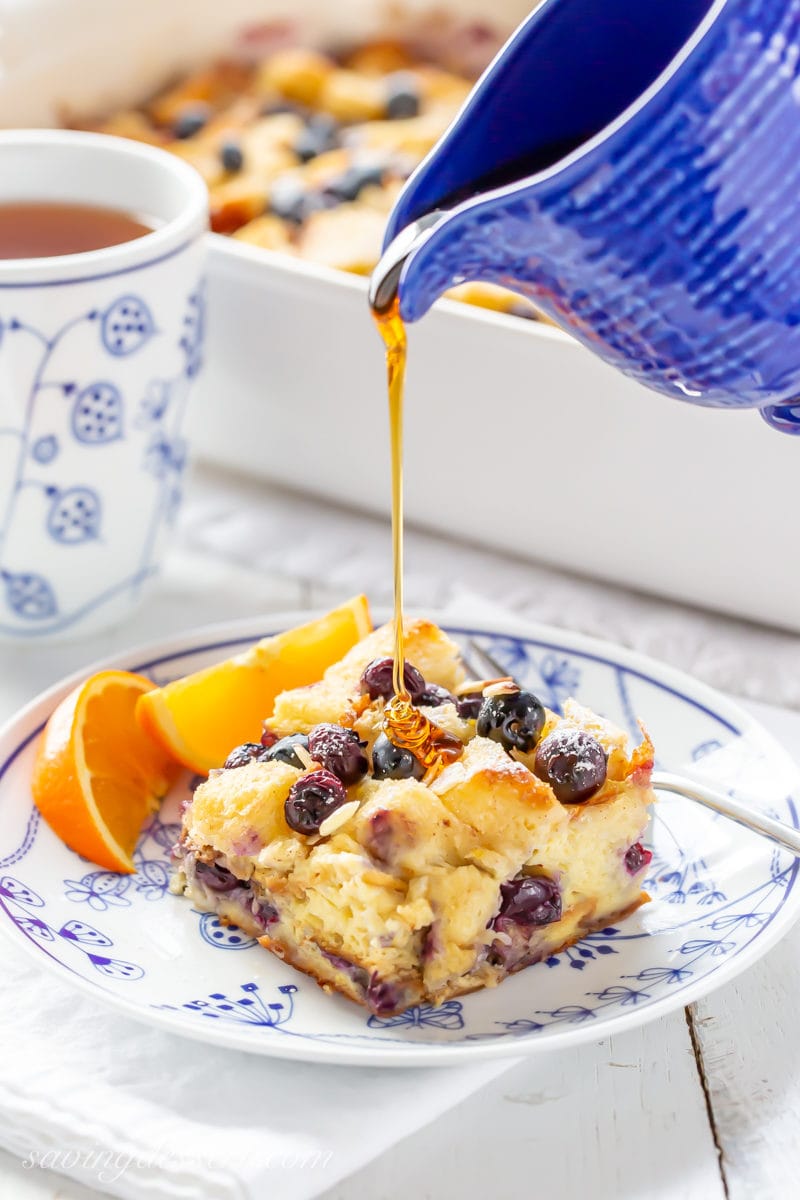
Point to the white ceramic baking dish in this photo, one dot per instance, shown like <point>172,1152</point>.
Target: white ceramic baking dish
<point>516,436</point>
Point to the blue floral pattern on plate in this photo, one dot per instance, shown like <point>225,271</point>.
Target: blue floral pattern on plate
<point>713,908</point>
<point>223,937</point>
<point>22,904</point>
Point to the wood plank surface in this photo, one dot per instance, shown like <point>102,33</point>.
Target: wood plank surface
<point>621,1120</point>
<point>750,1054</point>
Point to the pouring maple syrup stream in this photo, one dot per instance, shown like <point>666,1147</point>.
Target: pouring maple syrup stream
<point>404,724</point>
<point>393,332</point>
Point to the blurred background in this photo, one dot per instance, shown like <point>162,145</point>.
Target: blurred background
<point>536,478</point>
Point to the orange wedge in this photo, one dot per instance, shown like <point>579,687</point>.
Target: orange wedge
<point>200,718</point>
<point>98,774</point>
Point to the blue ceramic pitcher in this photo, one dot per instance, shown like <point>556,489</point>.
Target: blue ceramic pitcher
<point>632,167</point>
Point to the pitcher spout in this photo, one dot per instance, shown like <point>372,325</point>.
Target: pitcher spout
<point>490,241</point>
<point>385,279</point>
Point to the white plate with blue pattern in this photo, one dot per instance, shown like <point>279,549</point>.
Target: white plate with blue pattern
<point>721,896</point>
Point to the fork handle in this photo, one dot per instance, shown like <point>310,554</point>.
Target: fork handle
<point>783,835</point>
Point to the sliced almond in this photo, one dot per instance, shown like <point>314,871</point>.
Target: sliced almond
<point>481,685</point>
<point>305,758</point>
<point>338,818</point>
<point>501,687</point>
<point>471,685</point>
<point>431,774</point>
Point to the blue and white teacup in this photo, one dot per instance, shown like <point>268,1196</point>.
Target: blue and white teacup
<point>98,352</point>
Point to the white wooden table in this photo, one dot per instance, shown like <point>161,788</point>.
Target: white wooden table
<point>703,1105</point>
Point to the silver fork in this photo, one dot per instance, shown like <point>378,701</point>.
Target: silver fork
<point>665,781</point>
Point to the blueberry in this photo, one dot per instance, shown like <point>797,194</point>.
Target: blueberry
<point>514,719</point>
<point>318,135</point>
<point>232,155</point>
<point>377,681</point>
<point>381,837</point>
<point>263,912</point>
<point>283,750</point>
<point>529,900</point>
<point>393,762</point>
<point>244,754</point>
<point>339,750</point>
<point>191,121</point>
<point>573,763</point>
<point>217,878</point>
<point>382,997</point>
<point>469,705</point>
<point>350,185</point>
<point>434,695</point>
<point>403,96</point>
<point>311,801</point>
<point>357,974</point>
<point>288,201</point>
<point>637,858</point>
<point>307,145</point>
<point>431,943</point>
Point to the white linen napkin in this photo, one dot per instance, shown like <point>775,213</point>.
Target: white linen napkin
<point>133,1111</point>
